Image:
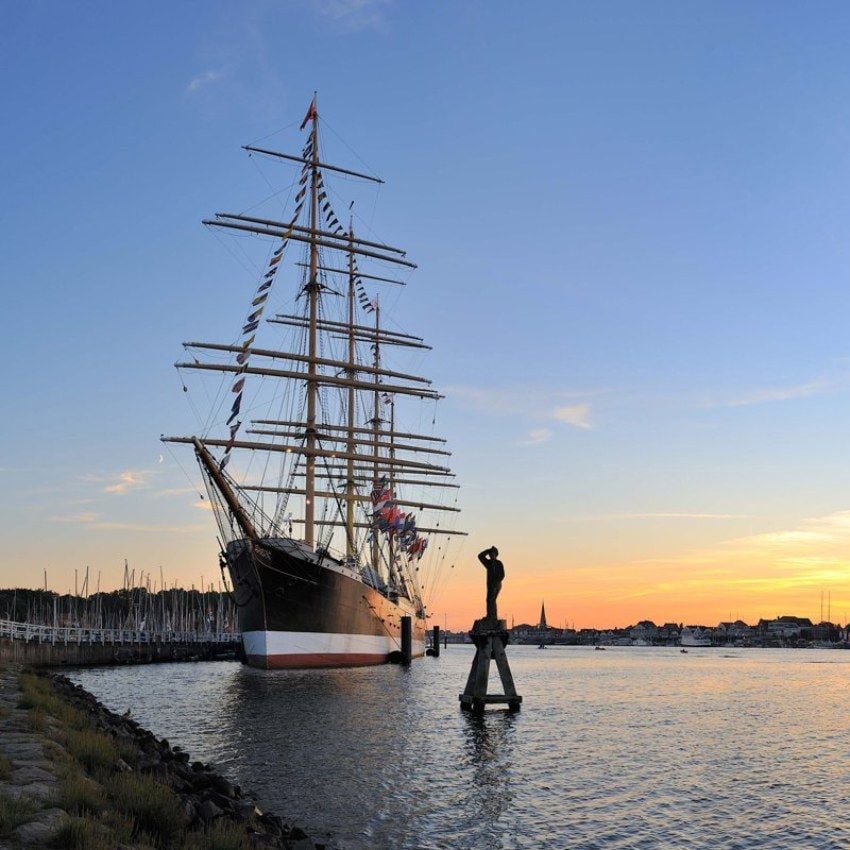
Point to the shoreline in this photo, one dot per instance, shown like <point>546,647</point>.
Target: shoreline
<point>74,774</point>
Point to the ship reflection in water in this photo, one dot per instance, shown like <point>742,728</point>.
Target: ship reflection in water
<point>622,749</point>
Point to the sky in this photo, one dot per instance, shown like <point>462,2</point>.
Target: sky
<point>631,224</point>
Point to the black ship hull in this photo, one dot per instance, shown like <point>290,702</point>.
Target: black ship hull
<point>298,609</point>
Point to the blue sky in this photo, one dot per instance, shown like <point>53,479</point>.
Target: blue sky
<point>631,222</point>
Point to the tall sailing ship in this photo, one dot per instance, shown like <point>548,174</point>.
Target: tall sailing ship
<point>334,513</point>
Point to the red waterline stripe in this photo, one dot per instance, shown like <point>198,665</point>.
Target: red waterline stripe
<point>316,659</point>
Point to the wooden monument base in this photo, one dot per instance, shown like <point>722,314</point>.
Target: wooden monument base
<point>490,638</point>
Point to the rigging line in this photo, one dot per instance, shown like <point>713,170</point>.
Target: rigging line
<point>350,537</point>
<point>275,132</point>
<point>217,402</point>
<point>250,266</point>
<point>274,194</point>
<point>375,205</point>
<point>360,219</point>
<point>326,124</point>
<point>198,417</point>
<point>183,469</point>
<point>284,397</point>
<point>447,573</point>
<point>203,423</point>
<point>283,502</point>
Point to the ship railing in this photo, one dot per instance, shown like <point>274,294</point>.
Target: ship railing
<point>113,637</point>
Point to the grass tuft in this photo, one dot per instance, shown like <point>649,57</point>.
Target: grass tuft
<point>37,693</point>
<point>38,720</point>
<point>94,750</point>
<point>220,835</point>
<point>128,751</point>
<point>13,813</point>
<point>120,825</point>
<point>156,810</point>
<point>55,752</point>
<point>82,833</point>
<point>81,796</point>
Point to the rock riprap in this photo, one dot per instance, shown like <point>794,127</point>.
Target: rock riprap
<point>74,774</point>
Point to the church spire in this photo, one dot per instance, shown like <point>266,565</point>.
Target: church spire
<point>543,616</point>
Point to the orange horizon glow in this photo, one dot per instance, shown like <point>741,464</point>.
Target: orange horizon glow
<point>766,574</point>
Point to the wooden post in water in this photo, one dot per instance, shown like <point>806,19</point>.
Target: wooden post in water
<point>406,640</point>
<point>436,643</point>
<point>490,646</point>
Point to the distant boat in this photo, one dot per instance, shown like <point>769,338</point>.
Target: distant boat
<point>598,648</point>
<point>695,636</point>
<point>542,646</point>
<point>683,650</point>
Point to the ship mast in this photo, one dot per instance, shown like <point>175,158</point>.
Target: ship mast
<point>376,426</point>
<point>313,297</point>
<point>350,445</point>
<point>390,542</point>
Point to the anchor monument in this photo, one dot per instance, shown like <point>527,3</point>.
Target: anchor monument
<point>490,636</point>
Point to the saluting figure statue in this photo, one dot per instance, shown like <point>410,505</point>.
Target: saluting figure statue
<point>490,638</point>
<point>495,575</point>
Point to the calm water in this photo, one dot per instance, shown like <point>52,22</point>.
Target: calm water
<point>627,748</point>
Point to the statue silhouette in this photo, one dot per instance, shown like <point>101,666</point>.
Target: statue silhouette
<point>495,575</point>
<point>490,637</point>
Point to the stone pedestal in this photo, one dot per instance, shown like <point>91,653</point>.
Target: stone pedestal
<point>490,639</point>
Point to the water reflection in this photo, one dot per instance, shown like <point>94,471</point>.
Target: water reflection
<point>488,741</point>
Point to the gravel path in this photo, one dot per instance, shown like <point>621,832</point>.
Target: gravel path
<point>26,774</point>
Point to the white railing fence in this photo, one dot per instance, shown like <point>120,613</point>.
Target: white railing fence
<point>107,637</point>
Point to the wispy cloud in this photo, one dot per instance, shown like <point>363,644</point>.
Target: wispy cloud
<point>577,415</point>
<point>200,80</point>
<point>812,541</point>
<point>536,402</point>
<point>656,515</point>
<point>93,521</point>
<point>685,515</point>
<point>788,392</point>
<point>81,518</point>
<point>784,393</point>
<point>128,480</point>
<point>536,436</point>
<point>354,14</point>
<point>176,491</point>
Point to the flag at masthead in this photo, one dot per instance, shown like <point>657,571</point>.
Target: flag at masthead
<point>311,114</point>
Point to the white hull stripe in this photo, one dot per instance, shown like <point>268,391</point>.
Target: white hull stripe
<point>259,644</point>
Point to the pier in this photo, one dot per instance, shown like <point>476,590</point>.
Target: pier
<point>49,646</point>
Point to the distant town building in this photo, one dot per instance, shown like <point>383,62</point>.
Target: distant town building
<point>786,627</point>
<point>542,632</point>
<point>669,633</point>
<point>730,632</point>
<point>644,633</point>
